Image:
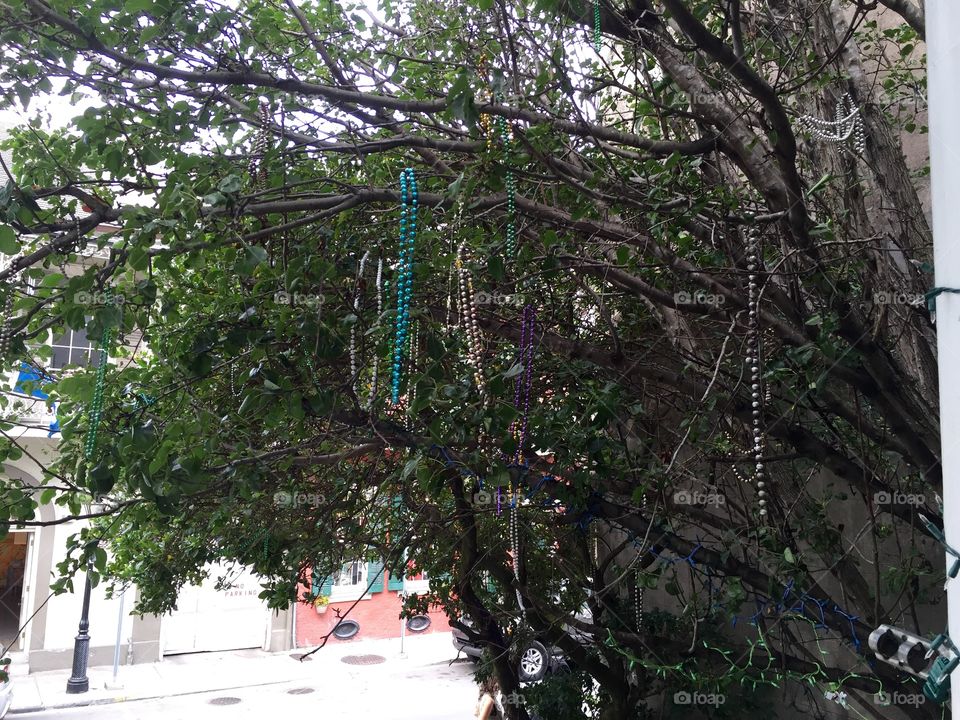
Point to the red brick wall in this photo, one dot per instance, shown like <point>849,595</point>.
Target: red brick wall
<point>379,617</point>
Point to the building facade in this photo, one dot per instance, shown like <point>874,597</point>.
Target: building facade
<point>375,616</point>
<point>37,628</point>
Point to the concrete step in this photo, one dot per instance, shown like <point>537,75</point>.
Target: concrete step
<point>19,664</point>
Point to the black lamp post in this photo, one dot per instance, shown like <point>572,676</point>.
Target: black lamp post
<point>79,682</point>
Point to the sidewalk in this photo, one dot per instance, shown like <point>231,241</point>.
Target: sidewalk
<point>207,672</point>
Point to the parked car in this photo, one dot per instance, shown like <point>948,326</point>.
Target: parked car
<point>536,659</point>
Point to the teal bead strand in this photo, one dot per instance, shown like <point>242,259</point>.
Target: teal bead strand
<point>408,234</point>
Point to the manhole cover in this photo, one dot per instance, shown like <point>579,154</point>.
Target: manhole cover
<point>299,691</point>
<point>363,659</point>
<point>225,701</point>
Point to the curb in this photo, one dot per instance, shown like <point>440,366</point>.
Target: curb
<point>136,698</point>
<point>81,702</point>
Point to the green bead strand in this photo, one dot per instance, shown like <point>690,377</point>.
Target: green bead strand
<point>504,132</point>
<point>95,411</point>
<point>596,25</point>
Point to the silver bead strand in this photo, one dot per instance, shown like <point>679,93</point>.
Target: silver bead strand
<point>515,547</point>
<point>376,357</point>
<point>638,587</point>
<point>468,318</point>
<point>848,124</point>
<point>411,385</point>
<point>353,328</point>
<point>6,329</point>
<point>754,363</point>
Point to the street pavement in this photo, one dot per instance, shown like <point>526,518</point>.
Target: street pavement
<point>422,684</point>
<point>442,693</point>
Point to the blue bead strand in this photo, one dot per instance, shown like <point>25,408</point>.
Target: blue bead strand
<point>408,234</point>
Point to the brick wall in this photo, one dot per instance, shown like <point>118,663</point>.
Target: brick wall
<point>379,617</point>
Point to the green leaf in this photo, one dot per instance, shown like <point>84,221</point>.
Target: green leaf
<point>137,6</point>
<point>253,255</point>
<point>230,184</point>
<point>788,556</point>
<point>410,466</point>
<point>9,245</point>
<point>513,371</point>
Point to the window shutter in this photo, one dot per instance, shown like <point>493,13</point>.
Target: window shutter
<point>373,568</point>
<point>396,575</point>
<point>321,585</point>
<point>396,579</point>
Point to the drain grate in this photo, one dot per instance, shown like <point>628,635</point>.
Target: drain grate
<point>363,659</point>
<point>225,701</point>
<point>299,691</point>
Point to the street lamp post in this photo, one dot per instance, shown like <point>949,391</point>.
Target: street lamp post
<point>79,682</point>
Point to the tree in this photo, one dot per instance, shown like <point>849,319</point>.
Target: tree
<point>249,154</point>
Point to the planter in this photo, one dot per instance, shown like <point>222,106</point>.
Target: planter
<point>321,609</point>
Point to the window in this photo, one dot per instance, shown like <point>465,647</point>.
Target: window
<point>418,584</point>
<point>73,348</point>
<point>346,629</point>
<point>350,583</point>
<point>418,623</point>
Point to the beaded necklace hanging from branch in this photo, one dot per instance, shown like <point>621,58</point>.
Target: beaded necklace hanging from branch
<point>258,168</point>
<point>499,130</point>
<point>521,401</point>
<point>524,381</point>
<point>353,328</point>
<point>375,376</point>
<point>596,25</point>
<point>754,363</point>
<point>468,319</point>
<point>847,125</point>
<point>638,583</point>
<point>408,234</point>
<point>96,405</point>
<point>414,352</point>
<point>6,330</point>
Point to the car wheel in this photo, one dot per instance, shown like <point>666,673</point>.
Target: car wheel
<point>534,662</point>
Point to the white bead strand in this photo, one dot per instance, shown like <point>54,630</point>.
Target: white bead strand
<point>847,125</point>
<point>515,547</point>
<point>754,263</point>
<point>376,357</point>
<point>468,318</point>
<point>6,329</point>
<point>356,314</point>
